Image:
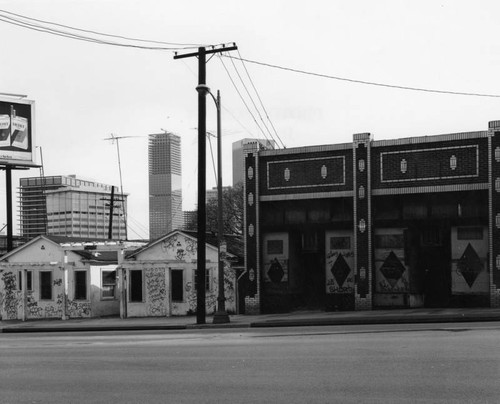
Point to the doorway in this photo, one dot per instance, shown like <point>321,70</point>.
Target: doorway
<point>313,281</point>
<point>434,265</point>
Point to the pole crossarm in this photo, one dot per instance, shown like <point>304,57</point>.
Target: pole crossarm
<point>224,48</point>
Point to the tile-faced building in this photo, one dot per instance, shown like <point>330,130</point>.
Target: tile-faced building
<point>374,224</point>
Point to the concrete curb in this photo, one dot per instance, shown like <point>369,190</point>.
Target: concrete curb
<point>303,322</point>
<point>15,330</point>
<point>374,320</point>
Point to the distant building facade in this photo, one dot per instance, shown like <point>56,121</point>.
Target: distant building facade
<point>69,206</point>
<point>374,224</point>
<point>238,155</point>
<point>165,184</point>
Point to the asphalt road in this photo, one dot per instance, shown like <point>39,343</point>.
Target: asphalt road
<point>374,364</point>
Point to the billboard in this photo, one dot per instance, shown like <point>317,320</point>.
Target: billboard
<point>17,132</point>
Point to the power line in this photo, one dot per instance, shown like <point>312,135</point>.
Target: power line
<point>242,99</point>
<point>251,99</point>
<point>363,81</point>
<point>99,33</point>
<point>260,100</point>
<point>71,35</point>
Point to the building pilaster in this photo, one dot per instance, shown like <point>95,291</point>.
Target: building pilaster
<point>362,221</point>
<point>251,230</point>
<point>494,211</point>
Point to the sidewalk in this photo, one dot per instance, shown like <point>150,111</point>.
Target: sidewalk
<point>294,319</point>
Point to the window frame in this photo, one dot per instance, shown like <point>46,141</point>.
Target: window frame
<point>208,283</point>
<point>113,285</point>
<point>130,296</point>
<point>177,270</point>
<point>29,280</point>
<point>41,285</point>
<point>76,296</point>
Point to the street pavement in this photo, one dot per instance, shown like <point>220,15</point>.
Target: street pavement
<point>293,319</point>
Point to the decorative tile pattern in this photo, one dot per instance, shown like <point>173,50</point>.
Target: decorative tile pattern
<point>275,271</point>
<point>392,269</point>
<point>306,173</point>
<point>340,270</point>
<point>430,164</point>
<point>469,265</point>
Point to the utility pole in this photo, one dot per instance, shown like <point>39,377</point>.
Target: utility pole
<point>202,225</point>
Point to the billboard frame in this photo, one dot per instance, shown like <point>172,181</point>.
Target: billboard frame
<point>17,132</point>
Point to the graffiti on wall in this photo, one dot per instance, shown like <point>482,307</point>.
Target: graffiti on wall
<point>78,308</point>
<point>182,248</point>
<point>212,293</point>
<point>33,309</point>
<point>11,298</point>
<point>156,291</point>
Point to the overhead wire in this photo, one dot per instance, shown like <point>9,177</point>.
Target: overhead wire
<point>253,102</point>
<point>327,76</point>
<point>58,32</point>
<point>242,99</point>
<point>99,33</point>
<point>260,100</point>
<point>20,21</point>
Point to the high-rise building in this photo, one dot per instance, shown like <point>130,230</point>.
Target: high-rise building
<point>68,206</point>
<point>165,184</point>
<point>238,162</point>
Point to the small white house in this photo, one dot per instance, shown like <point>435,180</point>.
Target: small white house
<point>161,276</point>
<point>60,277</point>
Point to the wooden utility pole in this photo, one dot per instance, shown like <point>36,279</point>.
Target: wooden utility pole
<point>202,89</point>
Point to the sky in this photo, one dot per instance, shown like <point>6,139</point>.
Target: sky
<point>84,91</point>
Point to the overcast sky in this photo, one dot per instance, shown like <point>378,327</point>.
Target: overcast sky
<point>85,91</point>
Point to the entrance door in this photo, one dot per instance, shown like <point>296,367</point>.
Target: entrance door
<point>313,277</point>
<point>434,262</point>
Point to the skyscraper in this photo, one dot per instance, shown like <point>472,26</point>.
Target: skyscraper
<point>165,184</point>
<point>238,162</point>
<point>68,206</point>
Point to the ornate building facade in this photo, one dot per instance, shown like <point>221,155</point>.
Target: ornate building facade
<point>411,222</point>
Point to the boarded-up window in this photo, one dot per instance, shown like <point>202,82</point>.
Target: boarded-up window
<point>177,285</point>
<point>340,243</point>
<point>275,247</point>
<point>135,285</point>
<point>80,285</point>
<point>470,233</point>
<point>390,241</point>
<point>46,285</point>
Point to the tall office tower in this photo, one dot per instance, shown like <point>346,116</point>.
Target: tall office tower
<point>165,184</point>
<point>68,206</point>
<point>238,162</point>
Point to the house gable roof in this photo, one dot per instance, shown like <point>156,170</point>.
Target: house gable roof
<point>235,245</point>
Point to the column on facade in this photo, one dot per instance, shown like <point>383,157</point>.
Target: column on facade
<point>494,212</point>
<point>251,231</point>
<point>362,221</point>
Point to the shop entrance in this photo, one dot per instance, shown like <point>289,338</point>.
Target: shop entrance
<point>432,270</point>
<point>313,280</point>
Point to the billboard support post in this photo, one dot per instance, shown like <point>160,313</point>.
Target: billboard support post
<point>8,185</point>
<point>17,145</point>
